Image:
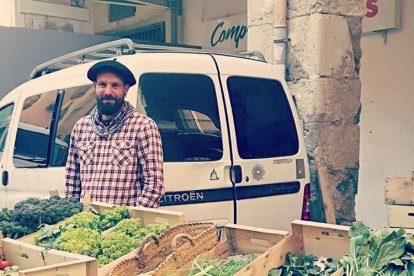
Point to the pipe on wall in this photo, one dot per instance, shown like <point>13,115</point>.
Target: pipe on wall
<point>280,36</point>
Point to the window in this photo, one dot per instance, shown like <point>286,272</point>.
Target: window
<point>35,123</point>
<point>184,106</point>
<point>263,119</point>
<point>5,116</point>
<point>34,129</point>
<point>77,102</point>
<point>118,12</point>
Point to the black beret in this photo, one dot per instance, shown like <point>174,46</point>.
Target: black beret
<point>112,66</point>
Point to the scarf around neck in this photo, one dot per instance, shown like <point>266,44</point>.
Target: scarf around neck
<point>114,124</point>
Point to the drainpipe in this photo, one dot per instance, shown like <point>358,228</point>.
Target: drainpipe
<point>174,20</point>
<point>280,38</point>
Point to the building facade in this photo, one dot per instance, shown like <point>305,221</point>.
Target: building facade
<point>342,81</point>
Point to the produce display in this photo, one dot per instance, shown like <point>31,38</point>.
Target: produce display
<point>126,238</point>
<point>81,240</point>
<point>29,214</point>
<point>306,265</point>
<point>225,267</point>
<point>85,234</point>
<point>384,252</point>
<point>12,270</point>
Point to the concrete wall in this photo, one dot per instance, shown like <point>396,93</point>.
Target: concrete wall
<point>54,15</point>
<point>22,49</point>
<point>7,13</point>
<point>387,128</point>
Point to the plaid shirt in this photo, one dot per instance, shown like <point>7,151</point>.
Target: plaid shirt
<point>124,168</point>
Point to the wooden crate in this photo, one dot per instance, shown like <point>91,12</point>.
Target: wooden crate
<point>319,239</point>
<point>399,190</point>
<point>399,197</point>
<point>36,261</point>
<point>400,216</point>
<point>239,240</point>
<point>147,216</point>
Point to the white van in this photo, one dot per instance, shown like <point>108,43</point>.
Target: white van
<point>233,143</point>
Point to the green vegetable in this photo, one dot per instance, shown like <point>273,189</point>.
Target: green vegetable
<point>156,229</point>
<point>115,245</point>
<point>126,237</point>
<point>385,252</point>
<point>80,240</point>
<point>49,236</point>
<point>85,219</point>
<point>29,214</point>
<point>371,253</point>
<point>82,234</point>
<point>110,218</point>
<point>306,265</point>
<point>130,227</point>
<point>225,267</point>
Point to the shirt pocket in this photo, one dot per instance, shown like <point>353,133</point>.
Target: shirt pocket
<point>85,152</point>
<point>122,153</point>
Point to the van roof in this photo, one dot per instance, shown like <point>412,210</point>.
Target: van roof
<point>122,47</point>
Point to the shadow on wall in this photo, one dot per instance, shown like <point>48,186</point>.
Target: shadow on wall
<point>26,48</point>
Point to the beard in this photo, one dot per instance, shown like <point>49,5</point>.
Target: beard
<point>109,108</point>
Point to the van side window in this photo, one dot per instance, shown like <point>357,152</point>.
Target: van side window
<point>77,102</point>
<point>5,116</point>
<point>263,119</point>
<point>184,106</point>
<point>34,129</point>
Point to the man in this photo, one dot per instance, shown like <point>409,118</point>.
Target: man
<point>115,153</point>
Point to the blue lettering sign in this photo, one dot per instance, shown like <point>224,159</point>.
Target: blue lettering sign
<point>220,35</point>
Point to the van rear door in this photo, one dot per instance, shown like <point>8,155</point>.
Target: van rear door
<point>181,92</point>
<point>268,155</point>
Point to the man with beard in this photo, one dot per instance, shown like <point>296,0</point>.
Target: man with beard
<point>115,153</point>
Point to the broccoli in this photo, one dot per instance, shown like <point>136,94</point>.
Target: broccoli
<point>32,212</point>
<point>5,214</point>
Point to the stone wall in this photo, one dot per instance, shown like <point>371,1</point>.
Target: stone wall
<point>323,74</point>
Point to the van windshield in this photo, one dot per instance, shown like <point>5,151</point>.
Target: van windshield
<point>263,119</point>
<point>184,106</point>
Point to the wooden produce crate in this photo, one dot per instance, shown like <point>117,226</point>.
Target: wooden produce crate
<point>147,216</point>
<point>36,261</point>
<point>400,216</point>
<point>319,239</point>
<point>399,197</point>
<point>239,240</point>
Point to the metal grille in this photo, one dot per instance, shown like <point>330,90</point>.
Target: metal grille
<point>151,33</point>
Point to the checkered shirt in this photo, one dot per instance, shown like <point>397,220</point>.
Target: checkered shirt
<point>125,168</point>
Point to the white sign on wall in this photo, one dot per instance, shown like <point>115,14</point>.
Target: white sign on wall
<point>227,34</point>
<point>381,15</point>
<point>224,25</point>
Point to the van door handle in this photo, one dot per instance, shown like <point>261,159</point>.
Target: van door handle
<point>236,174</point>
<point>5,178</point>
